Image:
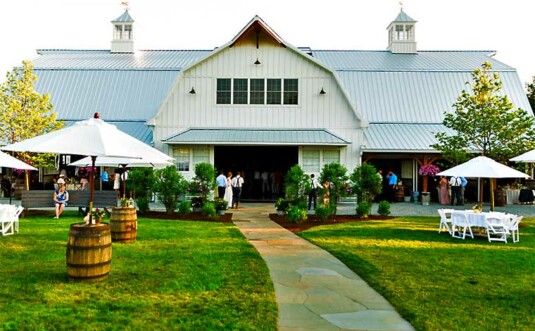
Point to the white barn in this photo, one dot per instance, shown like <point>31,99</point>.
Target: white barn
<point>259,103</point>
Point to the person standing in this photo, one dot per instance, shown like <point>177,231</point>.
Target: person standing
<point>61,198</point>
<point>444,195</point>
<point>392,185</point>
<point>455,183</point>
<point>313,194</point>
<point>228,190</point>
<point>221,181</point>
<point>464,182</point>
<point>237,183</point>
<point>105,178</point>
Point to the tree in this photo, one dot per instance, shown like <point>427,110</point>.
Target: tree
<point>484,119</point>
<point>24,113</point>
<point>366,183</point>
<point>530,87</point>
<point>169,184</point>
<point>205,175</point>
<point>297,185</point>
<point>142,181</point>
<point>336,175</point>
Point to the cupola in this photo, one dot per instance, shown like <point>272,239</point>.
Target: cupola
<point>402,35</point>
<point>123,34</point>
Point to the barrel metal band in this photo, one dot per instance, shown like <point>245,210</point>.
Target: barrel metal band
<point>87,248</point>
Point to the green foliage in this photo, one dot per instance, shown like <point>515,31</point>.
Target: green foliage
<point>530,88</point>
<point>419,271</point>
<point>220,204</point>
<point>336,175</point>
<point>323,212</point>
<point>363,209</point>
<point>178,275</point>
<point>184,208</point>
<point>209,209</point>
<point>297,184</point>
<point>296,214</point>
<point>485,119</point>
<point>169,184</point>
<point>143,204</point>
<point>384,208</point>
<point>205,175</point>
<point>142,181</point>
<point>24,113</point>
<point>282,204</point>
<point>365,182</point>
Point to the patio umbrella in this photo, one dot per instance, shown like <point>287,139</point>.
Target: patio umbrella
<point>9,161</point>
<point>92,137</point>
<point>110,161</point>
<point>526,157</point>
<point>483,167</point>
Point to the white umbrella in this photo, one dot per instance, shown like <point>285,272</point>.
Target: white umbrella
<point>92,137</point>
<point>110,161</point>
<point>9,161</point>
<point>526,157</point>
<point>483,167</point>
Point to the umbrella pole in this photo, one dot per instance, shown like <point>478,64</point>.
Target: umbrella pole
<point>123,179</point>
<point>91,190</point>
<point>491,194</point>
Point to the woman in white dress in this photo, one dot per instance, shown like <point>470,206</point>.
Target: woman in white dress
<point>228,190</point>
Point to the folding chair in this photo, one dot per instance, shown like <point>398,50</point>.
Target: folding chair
<point>9,219</point>
<point>512,227</point>
<point>496,229</point>
<point>445,221</point>
<point>460,220</point>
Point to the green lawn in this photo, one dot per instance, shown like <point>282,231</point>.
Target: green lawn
<point>178,275</point>
<point>437,282</point>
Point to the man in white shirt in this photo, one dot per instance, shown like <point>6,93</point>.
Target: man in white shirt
<point>237,183</point>
<point>455,183</point>
<point>221,184</point>
<point>313,194</point>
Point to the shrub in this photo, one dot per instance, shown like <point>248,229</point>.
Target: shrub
<point>296,214</point>
<point>184,207</point>
<point>282,204</point>
<point>141,181</point>
<point>323,212</point>
<point>384,208</point>
<point>296,184</point>
<point>169,184</point>
<point>208,209</point>
<point>205,178</point>
<point>221,204</point>
<point>363,209</point>
<point>143,204</point>
<point>335,175</point>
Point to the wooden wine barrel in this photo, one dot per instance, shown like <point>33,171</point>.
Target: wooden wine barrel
<point>89,252</point>
<point>499,198</point>
<point>399,194</point>
<point>123,222</point>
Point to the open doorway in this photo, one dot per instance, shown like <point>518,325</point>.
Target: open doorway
<point>255,163</point>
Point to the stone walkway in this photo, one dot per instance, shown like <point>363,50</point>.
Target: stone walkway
<point>314,290</point>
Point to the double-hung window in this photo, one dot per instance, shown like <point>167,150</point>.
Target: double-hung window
<point>257,91</point>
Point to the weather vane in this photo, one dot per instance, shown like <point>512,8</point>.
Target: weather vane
<point>125,4</point>
<point>400,4</point>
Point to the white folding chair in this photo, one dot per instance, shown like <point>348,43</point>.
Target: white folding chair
<point>496,229</point>
<point>18,211</point>
<point>445,221</point>
<point>512,227</point>
<point>9,219</point>
<point>460,221</point>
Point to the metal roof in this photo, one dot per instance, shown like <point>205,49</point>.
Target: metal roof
<point>402,17</point>
<point>239,136</point>
<point>410,137</point>
<point>124,18</point>
<point>416,97</point>
<point>117,95</point>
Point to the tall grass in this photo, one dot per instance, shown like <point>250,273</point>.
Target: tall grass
<point>177,275</point>
<point>437,282</point>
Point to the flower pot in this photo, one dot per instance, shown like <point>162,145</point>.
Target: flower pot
<point>221,212</point>
<point>426,198</point>
<point>280,212</point>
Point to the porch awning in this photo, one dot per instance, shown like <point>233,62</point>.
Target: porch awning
<point>256,137</point>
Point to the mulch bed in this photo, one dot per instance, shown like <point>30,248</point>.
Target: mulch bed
<point>312,221</point>
<point>227,218</point>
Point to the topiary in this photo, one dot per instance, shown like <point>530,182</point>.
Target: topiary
<point>384,208</point>
<point>294,214</point>
<point>363,209</point>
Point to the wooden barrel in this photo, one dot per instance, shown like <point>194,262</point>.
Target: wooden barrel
<point>499,198</point>
<point>123,222</point>
<point>89,252</point>
<point>399,194</point>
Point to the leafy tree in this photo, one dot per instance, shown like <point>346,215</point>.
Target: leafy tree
<point>336,175</point>
<point>205,175</point>
<point>366,183</point>
<point>297,185</point>
<point>530,87</point>
<point>24,113</point>
<point>169,185</point>
<point>142,182</point>
<point>484,119</point>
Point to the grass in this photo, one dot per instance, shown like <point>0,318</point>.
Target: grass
<point>177,275</point>
<point>437,282</point>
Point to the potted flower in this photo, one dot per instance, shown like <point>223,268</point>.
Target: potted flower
<point>281,205</point>
<point>98,215</point>
<point>221,205</point>
<point>425,171</point>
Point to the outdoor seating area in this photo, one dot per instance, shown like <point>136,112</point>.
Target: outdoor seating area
<point>498,226</point>
<point>9,219</point>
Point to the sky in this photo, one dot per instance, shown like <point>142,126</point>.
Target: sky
<point>498,25</point>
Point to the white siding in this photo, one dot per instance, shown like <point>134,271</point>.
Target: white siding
<point>183,110</point>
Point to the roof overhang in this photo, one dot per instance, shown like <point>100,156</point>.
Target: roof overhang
<point>402,137</point>
<point>256,137</point>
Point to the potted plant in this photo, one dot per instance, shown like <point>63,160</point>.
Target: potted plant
<point>281,205</point>
<point>221,205</point>
<point>426,170</point>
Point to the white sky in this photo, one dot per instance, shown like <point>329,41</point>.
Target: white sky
<point>504,26</point>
